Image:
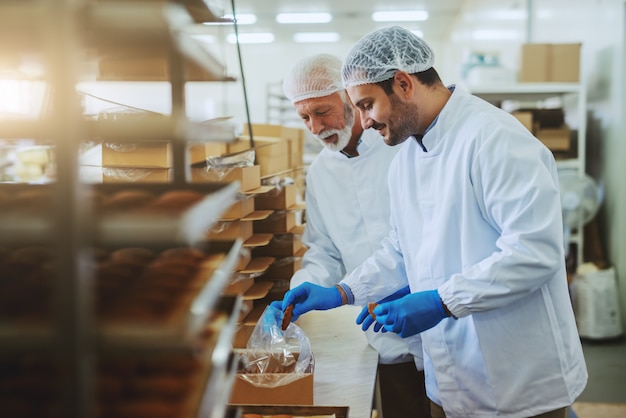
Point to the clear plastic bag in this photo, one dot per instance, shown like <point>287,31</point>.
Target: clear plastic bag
<point>274,357</point>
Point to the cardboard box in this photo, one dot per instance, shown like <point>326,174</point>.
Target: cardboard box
<point>297,392</point>
<point>96,174</point>
<point>200,152</point>
<point>158,155</point>
<point>272,154</point>
<point>279,198</point>
<point>242,334</point>
<point>239,286</point>
<point>556,139</point>
<point>550,63</point>
<point>242,207</point>
<point>534,63</point>
<point>279,222</point>
<point>283,268</point>
<point>294,136</point>
<point>231,230</point>
<point>526,118</point>
<point>249,178</point>
<point>565,63</point>
<point>282,245</point>
<point>303,411</point>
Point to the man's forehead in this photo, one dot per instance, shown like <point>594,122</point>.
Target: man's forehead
<point>315,102</point>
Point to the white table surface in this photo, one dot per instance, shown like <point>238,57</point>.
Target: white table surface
<point>345,365</point>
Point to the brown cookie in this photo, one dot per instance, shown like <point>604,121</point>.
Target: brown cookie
<point>370,309</point>
<point>287,317</point>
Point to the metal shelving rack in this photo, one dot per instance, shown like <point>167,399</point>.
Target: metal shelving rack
<point>63,35</point>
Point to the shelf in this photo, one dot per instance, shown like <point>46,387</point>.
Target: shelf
<point>25,336</point>
<point>143,228</point>
<point>134,41</point>
<point>159,129</point>
<point>523,91</point>
<point>182,331</point>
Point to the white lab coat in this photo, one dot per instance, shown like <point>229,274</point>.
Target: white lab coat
<point>347,216</point>
<point>478,217</point>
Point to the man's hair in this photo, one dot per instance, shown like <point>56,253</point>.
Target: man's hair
<point>428,77</point>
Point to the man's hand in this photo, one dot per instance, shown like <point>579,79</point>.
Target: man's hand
<point>308,297</point>
<point>411,314</point>
<point>366,319</point>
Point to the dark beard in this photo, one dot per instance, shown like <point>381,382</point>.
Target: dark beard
<point>401,123</point>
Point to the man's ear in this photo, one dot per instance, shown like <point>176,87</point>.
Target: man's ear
<point>404,84</point>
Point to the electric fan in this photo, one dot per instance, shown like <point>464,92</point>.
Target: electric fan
<point>580,200</point>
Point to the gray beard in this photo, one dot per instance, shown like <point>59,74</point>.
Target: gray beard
<point>343,135</point>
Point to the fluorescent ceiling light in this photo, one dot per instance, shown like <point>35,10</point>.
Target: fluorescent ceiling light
<point>304,17</point>
<point>242,19</point>
<point>400,16</point>
<point>251,38</point>
<point>312,37</point>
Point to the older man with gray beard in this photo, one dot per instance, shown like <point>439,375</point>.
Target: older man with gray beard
<point>348,215</point>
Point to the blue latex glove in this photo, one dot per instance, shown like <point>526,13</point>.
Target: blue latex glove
<point>412,313</point>
<point>366,319</point>
<point>308,297</point>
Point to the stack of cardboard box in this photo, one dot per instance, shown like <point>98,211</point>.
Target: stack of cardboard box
<point>126,163</point>
<point>549,126</point>
<point>550,63</point>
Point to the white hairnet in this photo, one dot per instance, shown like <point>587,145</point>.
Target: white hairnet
<point>315,76</point>
<point>380,54</point>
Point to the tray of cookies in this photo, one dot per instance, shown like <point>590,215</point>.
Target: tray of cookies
<point>159,298</point>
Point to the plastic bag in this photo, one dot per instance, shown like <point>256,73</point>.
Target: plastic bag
<point>274,357</point>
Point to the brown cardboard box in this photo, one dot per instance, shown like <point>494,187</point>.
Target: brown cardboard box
<point>303,411</point>
<point>281,245</point>
<point>249,178</point>
<point>550,63</point>
<point>158,155</point>
<point>297,392</point>
<point>200,152</point>
<point>526,118</point>
<point>272,154</point>
<point>231,230</point>
<point>279,222</point>
<point>556,139</point>
<point>283,268</point>
<point>294,136</point>
<point>97,174</point>
<point>534,63</point>
<point>242,207</point>
<point>565,63</point>
<point>278,198</point>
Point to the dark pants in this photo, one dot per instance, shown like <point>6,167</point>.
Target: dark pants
<point>437,412</point>
<point>402,391</point>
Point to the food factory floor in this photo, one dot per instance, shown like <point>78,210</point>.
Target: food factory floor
<point>605,393</point>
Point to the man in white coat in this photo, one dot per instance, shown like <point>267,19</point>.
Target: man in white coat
<point>348,215</point>
<point>476,222</point>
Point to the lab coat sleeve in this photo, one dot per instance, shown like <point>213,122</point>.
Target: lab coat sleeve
<point>321,264</point>
<point>382,274</point>
<point>515,185</point>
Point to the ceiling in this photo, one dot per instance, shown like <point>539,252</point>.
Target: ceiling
<point>351,18</point>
